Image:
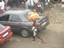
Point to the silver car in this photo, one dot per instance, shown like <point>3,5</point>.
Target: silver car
<point>20,24</point>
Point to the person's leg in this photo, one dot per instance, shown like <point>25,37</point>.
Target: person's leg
<point>33,38</point>
<point>41,39</point>
<point>34,35</point>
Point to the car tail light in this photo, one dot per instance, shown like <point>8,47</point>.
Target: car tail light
<point>5,32</point>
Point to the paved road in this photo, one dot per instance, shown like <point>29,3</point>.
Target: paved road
<point>53,40</point>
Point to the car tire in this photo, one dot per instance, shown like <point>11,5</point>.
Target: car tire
<point>25,33</point>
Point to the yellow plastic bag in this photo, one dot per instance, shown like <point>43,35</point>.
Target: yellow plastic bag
<point>32,16</point>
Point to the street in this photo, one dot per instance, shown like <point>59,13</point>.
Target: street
<point>53,40</point>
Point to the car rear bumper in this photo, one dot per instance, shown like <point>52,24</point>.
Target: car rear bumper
<point>8,38</point>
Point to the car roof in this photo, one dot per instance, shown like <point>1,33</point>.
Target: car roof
<point>17,12</point>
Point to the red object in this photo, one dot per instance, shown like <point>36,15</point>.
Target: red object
<point>35,25</point>
<point>5,34</point>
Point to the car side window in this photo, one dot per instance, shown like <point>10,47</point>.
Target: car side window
<point>14,18</point>
<point>4,18</point>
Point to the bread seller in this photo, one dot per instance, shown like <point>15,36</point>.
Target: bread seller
<point>33,16</point>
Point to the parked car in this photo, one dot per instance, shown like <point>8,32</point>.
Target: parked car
<point>5,33</point>
<point>20,24</point>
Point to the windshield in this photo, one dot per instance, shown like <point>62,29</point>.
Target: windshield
<point>1,27</point>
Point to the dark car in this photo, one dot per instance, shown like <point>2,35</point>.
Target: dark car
<point>20,24</point>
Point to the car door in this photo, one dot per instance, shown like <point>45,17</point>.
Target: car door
<point>11,20</point>
<point>14,20</point>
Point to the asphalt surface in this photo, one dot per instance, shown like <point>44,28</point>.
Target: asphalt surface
<point>52,40</point>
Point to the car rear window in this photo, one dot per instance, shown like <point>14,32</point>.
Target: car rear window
<point>1,27</point>
<point>4,18</point>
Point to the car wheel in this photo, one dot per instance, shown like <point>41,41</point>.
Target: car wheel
<point>25,33</point>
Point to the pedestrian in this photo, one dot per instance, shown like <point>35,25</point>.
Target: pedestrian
<point>29,4</point>
<point>33,16</point>
<point>35,32</point>
<point>2,4</point>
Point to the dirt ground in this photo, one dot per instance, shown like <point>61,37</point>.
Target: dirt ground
<point>53,35</point>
